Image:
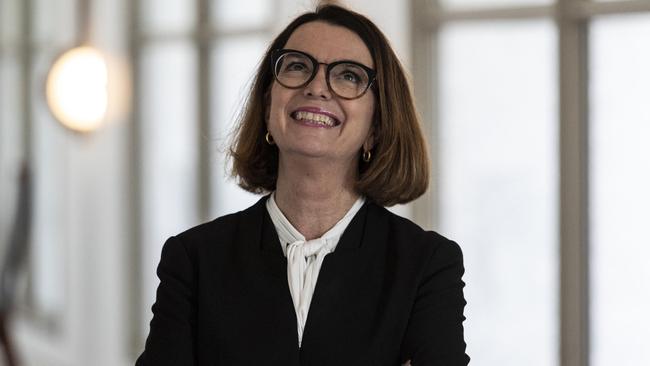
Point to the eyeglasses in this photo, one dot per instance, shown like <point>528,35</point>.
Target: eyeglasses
<point>347,79</point>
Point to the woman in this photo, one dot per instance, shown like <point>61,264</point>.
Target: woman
<point>318,272</point>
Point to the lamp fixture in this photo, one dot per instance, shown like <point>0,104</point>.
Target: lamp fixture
<point>77,88</point>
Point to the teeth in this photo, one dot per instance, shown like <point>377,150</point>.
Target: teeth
<point>315,118</point>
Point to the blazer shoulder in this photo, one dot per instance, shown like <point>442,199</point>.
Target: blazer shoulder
<point>223,227</point>
<point>410,235</point>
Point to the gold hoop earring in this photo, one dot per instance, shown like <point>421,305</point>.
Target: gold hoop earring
<point>366,156</point>
<point>269,138</point>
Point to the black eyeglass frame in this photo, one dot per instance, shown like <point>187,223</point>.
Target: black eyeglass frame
<point>278,53</point>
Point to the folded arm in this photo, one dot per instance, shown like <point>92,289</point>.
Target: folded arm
<point>434,335</point>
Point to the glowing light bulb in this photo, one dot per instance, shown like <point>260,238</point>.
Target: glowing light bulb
<point>77,89</point>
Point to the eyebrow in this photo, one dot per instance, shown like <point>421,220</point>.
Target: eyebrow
<point>333,61</point>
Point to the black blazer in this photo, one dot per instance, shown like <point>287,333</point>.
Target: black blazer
<point>388,293</point>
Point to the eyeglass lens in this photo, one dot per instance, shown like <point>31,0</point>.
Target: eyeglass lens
<point>295,70</point>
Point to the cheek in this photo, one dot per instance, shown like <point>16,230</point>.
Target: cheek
<point>271,109</point>
<point>361,109</point>
<point>276,105</point>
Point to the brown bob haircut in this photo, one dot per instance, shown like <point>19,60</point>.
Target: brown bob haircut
<point>399,169</point>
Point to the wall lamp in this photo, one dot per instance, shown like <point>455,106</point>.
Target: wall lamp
<point>77,83</point>
<point>77,89</point>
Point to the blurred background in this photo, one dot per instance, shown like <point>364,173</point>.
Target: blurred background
<point>536,113</point>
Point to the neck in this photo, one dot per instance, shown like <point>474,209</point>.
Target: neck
<point>314,197</point>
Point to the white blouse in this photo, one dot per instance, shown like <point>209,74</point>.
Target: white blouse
<point>305,257</point>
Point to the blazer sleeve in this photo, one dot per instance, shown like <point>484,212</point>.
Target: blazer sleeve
<point>172,329</point>
<point>434,335</point>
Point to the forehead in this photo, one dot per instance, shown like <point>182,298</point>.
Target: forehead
<point>329,43</point>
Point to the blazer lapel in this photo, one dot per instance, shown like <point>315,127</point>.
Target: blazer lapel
<point>275,263</point>
<point>257,234</point>
<point>341,276</point>
<point>264,281</point>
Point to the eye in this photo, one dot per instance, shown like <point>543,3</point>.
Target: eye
<point>296,66</point>
<point>349,74</point>
<point>351,77</point>
<point>295,63</point>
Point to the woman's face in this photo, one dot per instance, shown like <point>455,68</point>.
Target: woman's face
<point>313,122</point>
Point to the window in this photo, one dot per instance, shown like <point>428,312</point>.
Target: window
<point>234,60</point>
<point>497,183</point>
<point>194,61</point>
<point>620,177</point>
<point>539,127</point>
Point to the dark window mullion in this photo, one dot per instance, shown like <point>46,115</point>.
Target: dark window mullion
<point>205,96</point>
<point>573,103</point>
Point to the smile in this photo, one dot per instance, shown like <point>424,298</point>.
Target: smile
<point>315,119</point>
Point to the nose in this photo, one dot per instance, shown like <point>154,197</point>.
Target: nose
<point>318,88</point>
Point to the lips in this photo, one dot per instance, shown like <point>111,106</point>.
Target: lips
<point>315,117</point>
